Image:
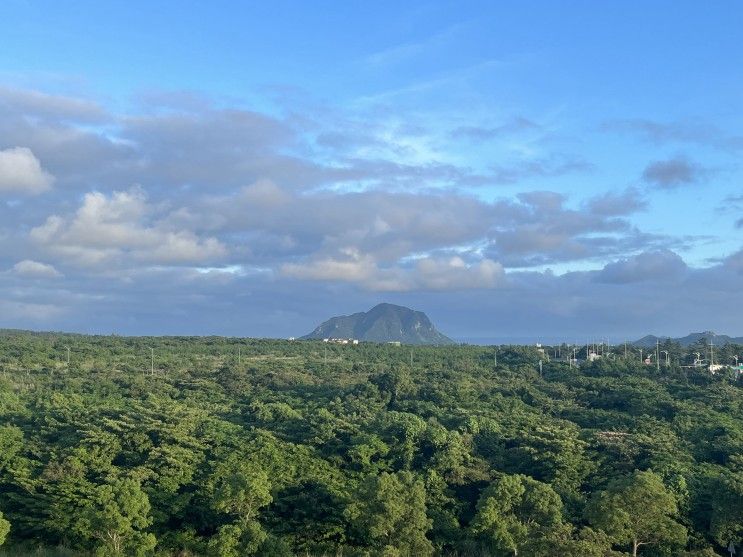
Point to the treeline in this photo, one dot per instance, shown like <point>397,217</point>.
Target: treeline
<point>231,447</point>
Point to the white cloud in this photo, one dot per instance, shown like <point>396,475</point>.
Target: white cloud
<point>35,269</point>
<point>29,311</point>
<point>120,229</point>
<point>427,273</point>
<point>21,172</point>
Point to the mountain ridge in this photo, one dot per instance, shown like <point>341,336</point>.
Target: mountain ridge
<point>650,340</point>
<point>382,323</point>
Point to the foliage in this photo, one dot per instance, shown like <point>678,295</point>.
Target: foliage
<point>229,447</point>
<point>116,517</point>
<point>637,510</point>
<point>388,515</point>
<point>514,510</point>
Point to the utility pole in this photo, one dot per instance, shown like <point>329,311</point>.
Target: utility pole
<point>625,350</point>
<point>495,356</point>
<point>711,353</point>
<point>239,356</point>
<point>657,355</point>
<point>641,360</point>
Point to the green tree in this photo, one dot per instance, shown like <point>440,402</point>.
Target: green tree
<point>567,541</point>
<point>637,510</point>
<point>117,516</point>
<point>726,523</point>
<point>513,510</point>
<point>388,514</point>
<point>4,529</point>
<point>241,494</point>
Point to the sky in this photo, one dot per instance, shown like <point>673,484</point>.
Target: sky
<point>520,171</point>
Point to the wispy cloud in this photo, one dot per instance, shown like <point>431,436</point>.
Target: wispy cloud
<point>409,51</point>
<point>677,132</point>
<point>482,133</point>
<point>550,167</point>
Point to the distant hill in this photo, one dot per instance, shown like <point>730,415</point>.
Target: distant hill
<point>688,340</point>
<point>382,323</point>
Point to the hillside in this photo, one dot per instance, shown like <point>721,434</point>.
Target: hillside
<point>650,340</point>
<point>382,323</point>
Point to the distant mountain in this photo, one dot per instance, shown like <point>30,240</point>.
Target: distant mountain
<point>382,323</point>
<point>650,340</point>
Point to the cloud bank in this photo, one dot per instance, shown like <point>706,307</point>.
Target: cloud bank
<point>263,222</point>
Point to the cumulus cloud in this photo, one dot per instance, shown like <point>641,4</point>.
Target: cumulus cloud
<point>674,172</point>
<point>121,228</point>
<point>660,265</point>
<point>21,172</point>
<point>238,207</point>
<point>277,226</point>
<point>541,229</point>
<point>35,270</point>
<point>427,273</point>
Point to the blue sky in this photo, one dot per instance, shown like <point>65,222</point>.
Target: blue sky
<point>514,169</point>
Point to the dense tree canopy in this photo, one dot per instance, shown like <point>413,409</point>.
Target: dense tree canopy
<point>231,447</point>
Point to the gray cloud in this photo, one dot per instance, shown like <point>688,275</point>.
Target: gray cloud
<point>428,273</point>
<point>616,204</point>
<point>187,207</point>
<point>272,226</point>
<point>528,307</point>
<point>181,142</point>
<point>52,108</point>
<point>674,172</point>
<point>542,230</point>
<point>660,265</point>
<point>551,167</point>
<point>732,204</point>
<point>677,132</point>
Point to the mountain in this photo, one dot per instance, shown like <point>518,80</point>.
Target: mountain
<point>650,340</point>
<point>382,323</point>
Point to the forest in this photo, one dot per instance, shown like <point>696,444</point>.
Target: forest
<point>227,447</point>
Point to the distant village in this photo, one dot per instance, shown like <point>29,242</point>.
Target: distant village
<point>657,357</point>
